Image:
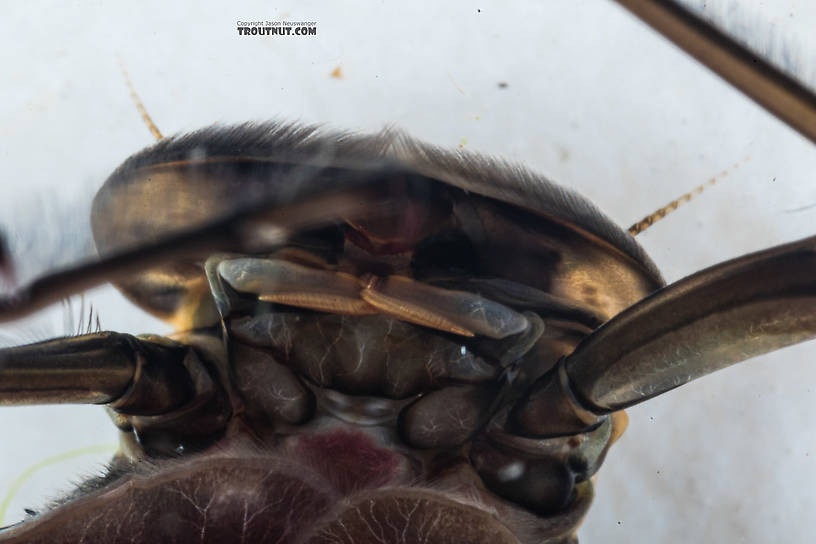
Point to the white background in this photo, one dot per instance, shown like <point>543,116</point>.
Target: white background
<point>594,100</point>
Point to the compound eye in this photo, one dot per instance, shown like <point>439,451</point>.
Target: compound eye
<point>445,254</point>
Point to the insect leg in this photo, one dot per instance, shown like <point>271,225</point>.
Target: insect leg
<point>717,317</point>
<point>458,312</point>
<point>262,225</point>
<point>137,376</point>
<point>758,79</point>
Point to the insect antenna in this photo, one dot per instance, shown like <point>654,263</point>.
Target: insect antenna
<point>660,213</point>
<point>154,130</point>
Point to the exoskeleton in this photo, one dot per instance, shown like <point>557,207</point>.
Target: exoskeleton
<point>378,341</point>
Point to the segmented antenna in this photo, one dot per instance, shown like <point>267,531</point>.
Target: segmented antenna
<point>660,213</point>
<point>139,106</point>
